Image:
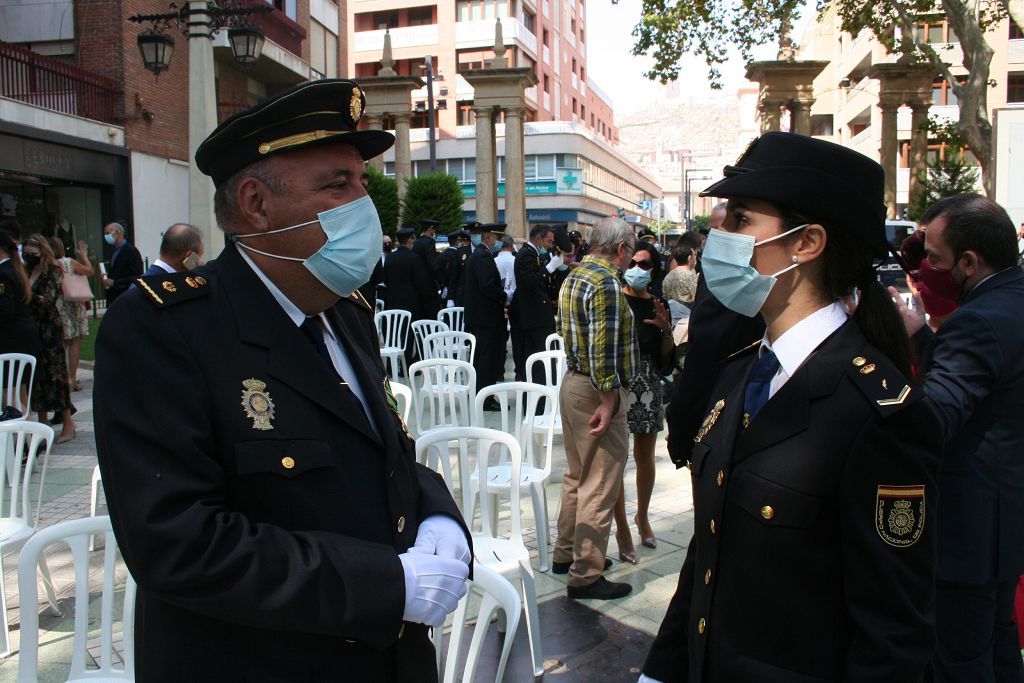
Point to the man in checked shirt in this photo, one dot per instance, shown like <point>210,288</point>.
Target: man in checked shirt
<point>601,351</point>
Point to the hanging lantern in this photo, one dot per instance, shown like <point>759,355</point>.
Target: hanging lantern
<point>156,49</point>
<point>246,44</point>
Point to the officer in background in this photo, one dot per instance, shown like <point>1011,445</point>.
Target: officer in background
<point>408,284</point>
<point>532,312</point>
<point>456,281</point>
<point>266,499</point>
<point>425,247</point>
<point>485,308</point>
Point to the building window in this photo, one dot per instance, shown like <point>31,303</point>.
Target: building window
<point>530,21</point>
<point>942,93</point>
<point>1016,33</point>
<point>581,36</point>
<point>323,49</point>
<point>475,10</point>
<point>464,115</point>
<point>572,25</point>
<point>574,65</point>
<point>574,107</point>
<point>385,20</point>
<point>1015,87</point>
<point>547,38</point>
<point>547,84</point>
<point>935,31</point>
<point>421,16</point>
<point>583,113</point>
<point>583,74</point>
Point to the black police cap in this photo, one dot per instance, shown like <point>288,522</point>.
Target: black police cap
<point>310,114</point>
<point>427,224</point>
<point>561,237</point>
<point>496,228</point>
<point>822,180</point>
<point>405,233</point>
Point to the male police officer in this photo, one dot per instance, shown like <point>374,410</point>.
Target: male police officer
<point>266,496</point>
<point>485,307</point>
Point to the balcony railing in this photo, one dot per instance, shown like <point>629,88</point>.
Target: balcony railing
<point>50,83</point>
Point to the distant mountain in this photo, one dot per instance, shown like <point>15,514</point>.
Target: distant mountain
<point>665,127</point>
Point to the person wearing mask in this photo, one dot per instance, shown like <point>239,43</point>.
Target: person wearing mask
<point>408,284</point>
<point>52,391</point>
<point>814,470</point>
<point>938,294</point>
<point>290,536</point>
<point>457,272</point>
<point>533,314</point>
<point>18,332</point>
<point>646,413</point>
<point>125,262</point>
<point>485,309</point>
<point>425,247</point>
<point>181,248</point>
<point>74,314</point>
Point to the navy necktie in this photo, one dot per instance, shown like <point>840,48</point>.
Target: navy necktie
<point>311,328</point>
<point>759,384</point>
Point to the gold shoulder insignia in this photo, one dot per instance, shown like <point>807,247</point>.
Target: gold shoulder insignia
<point>742,351</point>
<point>358,297</point>
<point>172,288</point>
<point>881,383</point>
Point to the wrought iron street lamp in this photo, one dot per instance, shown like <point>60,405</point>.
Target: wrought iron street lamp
<point>156,49</point>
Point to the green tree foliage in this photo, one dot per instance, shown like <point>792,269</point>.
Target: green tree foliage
<point>700,222</point>
<point>660,226</point>
<point>945,177</point>
<point>384,193</point>
<point>435,196</point>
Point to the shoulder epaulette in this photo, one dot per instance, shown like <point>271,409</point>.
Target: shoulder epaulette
<point>359,300</point>
<point>881,382</point>
<point>744,350</point>
<point>172,288</point>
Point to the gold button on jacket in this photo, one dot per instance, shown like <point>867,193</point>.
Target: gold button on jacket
<point>287,462</point>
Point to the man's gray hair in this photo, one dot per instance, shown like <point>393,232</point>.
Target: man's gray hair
<point>225,201</point>
<point>608,232</point>
<point>507,242</point>
<point>114,225</point>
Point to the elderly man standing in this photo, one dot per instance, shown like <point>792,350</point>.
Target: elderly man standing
<point>181,248</point>
<point>601,351</point>
<point>289,535</point>
<point>125,262</point>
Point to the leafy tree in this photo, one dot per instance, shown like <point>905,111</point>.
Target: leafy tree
<point>668,29</point>
<point>946,176</point>
<point>660,226</point>
<point>700,222</point>
<point>435,196</point>
<point>383,192</point>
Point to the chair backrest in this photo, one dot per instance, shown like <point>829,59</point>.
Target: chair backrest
<point>403,395</point>
<point>453,317</point>
<point>554,342</point>
<point>76,534</point>
<point>443,391</point>
<point>554,366</point>
<point>519,402</point>
<point>453,345</point>
<point>420,329</point>
<point>489,447</point>
<point>393,327</point>
<point>378,306</point>
<point>16,369</point>
<point>20,444</point>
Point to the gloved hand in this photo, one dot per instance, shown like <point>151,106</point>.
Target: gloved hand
<point>647,679</point>
<point>442,536</point>
<point>433,587</point>
<point>556,261</point>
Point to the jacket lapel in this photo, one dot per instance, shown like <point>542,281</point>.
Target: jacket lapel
<point>1001,278</point>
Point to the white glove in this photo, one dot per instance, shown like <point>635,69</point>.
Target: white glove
<point>647,679</point>
<point>556,261</point>
<point>433,587</point>
<point>442,536</point>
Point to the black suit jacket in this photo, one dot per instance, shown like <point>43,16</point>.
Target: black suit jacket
<point>18,330</point>
<point>260,554</point>
<point>123,271</point>
<point>533,304</point>
<point>802,567</point>
<point>485,295</point>
<point>408,286</point>
<point>426,247</point>
<point>974,371</point>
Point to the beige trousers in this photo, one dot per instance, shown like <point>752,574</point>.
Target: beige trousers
<point>591,484</point>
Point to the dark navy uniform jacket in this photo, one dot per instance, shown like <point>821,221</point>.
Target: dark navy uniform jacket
<point>814,533</point>
<point>252,500</point>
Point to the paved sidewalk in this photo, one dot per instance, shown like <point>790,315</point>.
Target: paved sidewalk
<point>583,640</point>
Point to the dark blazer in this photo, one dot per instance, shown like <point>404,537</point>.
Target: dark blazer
<point>974,371</point>
<point>802,567</point>
<point>261,554</point>
<point>408,285</point>
<point>123,270</point>
<point>716,333</point>
<point>485,295</point>
<point>18,330</point>
<point>533,304</point>
<point>426,247</point>
<point>457,275</point>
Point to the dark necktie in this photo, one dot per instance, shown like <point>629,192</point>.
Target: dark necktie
<point>759,384</point>
<point>311,328</point>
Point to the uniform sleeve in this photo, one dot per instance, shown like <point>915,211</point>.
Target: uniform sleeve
<point>490,281</point>
<point>966,361</point>
<point>170,503</point>
<point>669,657</point>
<point>890,590</point>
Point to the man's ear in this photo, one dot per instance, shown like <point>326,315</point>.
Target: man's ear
<point>971,263</point>
<point>251,197</point>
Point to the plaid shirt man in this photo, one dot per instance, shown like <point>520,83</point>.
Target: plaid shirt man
<point>597,325</point>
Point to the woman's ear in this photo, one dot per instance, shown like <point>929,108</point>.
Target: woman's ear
<point>811,244</point>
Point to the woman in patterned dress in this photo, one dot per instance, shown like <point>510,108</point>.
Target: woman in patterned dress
<point>52,391</point>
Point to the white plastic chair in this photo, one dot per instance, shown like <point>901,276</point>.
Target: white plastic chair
<point>497,593</point>
<point>378,305</point>
<point>505,554</point>
<point>453,317</point>
<point>13,368</point>
<point>443,391</point>
<point>454,345</point>
<point>555,367</point>
<point>393,332</point>
<point>420,329</point>
<point>25,440</point>
<point>94,498</point>
<point>76,534</point>
<point>519,402</point>
<point>403,395</point>
<point>554,342</point>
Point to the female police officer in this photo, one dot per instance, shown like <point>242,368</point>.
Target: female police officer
<point>813,472</point>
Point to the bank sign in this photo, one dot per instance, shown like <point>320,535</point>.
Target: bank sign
<point>567,181</point>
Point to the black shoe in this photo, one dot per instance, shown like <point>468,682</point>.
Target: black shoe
<point>563,567</point>
<point>492,405</point>
<point>602,589</point>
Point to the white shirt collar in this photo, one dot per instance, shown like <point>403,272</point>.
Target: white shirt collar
<point>163,264</point>
<point>799,341</point>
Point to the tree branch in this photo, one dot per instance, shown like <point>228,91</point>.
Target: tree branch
<point>907,24</point>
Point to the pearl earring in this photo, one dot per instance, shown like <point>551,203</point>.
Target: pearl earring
<point>795,259</point>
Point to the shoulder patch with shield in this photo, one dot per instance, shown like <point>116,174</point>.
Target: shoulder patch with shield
<point>899,514</point>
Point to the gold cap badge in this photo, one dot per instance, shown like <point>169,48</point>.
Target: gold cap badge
<point>355,106</point>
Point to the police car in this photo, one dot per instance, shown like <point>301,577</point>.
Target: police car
<point>890,274</point>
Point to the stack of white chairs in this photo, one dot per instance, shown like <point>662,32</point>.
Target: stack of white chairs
<point>453,317</point>
<point>505,553</point>
<point>554,366</point>
<point>454,345</point>
<point>443,391</point>
<point>420,329</point>
<point>76,534</point>
<point>393,332</point>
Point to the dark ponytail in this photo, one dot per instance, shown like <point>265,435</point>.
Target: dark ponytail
<point>8,246</point>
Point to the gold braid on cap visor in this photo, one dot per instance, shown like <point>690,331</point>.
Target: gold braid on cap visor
<point>298,139</point>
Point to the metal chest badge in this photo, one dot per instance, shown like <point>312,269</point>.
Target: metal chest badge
<point>257,404</point>
<point>709,421</point>
<point>899,514</point>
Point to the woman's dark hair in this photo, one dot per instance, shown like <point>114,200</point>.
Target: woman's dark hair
<point>681,254</point>
<point>656,272</point>
<point>848,265</point>
<point>9,247</point>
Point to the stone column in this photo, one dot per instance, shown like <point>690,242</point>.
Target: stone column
<point>889,151</point>
<point>375,122</point>
<point>515,174</point>
<point>486,187</point>
<point>800,116</point>
<point>770,110</point>
<point>403,155</point>
<point>918,149</point>
<point>202,119</point>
